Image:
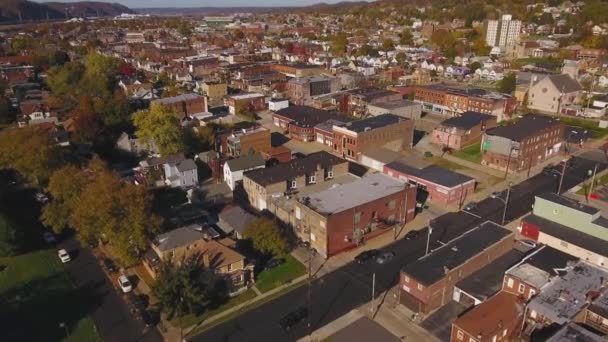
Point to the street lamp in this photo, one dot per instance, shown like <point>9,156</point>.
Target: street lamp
<point>561,176</point>
<point>506,202</point>
<point>67,330</point>
<point>592,175</point>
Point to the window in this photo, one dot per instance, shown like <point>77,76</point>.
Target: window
<point>330,173</point>
<point>510,283</point>
<point>420,287</point>
<point>392,204</point>
<point>406,279</point>
<point>294,184</point>
<point>312,179</point>
<point>357,218</point>
<point>521,288</point>
<point>459,335</point>
<point>531,293</point>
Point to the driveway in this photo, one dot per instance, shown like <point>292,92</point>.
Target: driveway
<point>112,317</point>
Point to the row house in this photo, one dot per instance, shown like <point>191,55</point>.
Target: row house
<point>573,227</point>
<point>523,144</point>
<point>428,283</point>
<point>344,216</point>
<point>351,139</point>
<point>185,105</point>
<point>300,121</point>
<point>462,130</point>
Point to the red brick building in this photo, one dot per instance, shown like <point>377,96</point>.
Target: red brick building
<point>300,121</point>
<point>428,283</point>
<point>184,105</point>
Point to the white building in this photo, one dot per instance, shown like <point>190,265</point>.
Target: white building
<point>183,174</point>
<point>234,168</point>
<point>500,33</point>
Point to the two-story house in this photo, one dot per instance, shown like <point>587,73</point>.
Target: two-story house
<point>235,168</point>
<point>463,130</point>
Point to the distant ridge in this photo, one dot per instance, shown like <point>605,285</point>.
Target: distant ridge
<point>24,10</point>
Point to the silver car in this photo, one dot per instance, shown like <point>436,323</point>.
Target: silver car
<point>385,258</point>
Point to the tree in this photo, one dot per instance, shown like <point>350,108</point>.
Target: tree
<point>338,44</point>
<point>160,125</point>
<point>507,84</point>
<point>63,80</point>
<point>401,57</point>
<point>388,45</point>
<point>406,37</point>
<point>86,125</point>
<point>474,66</point>
<point>186,288</point>
<point>30,151</point>
<point>65,185</point>
<point>8,238</point>
<point>266,237</point>
<point>184,28</point>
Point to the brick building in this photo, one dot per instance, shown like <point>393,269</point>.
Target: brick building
<point>342,217</point>
<point>360,99</point>
<point>452,101</point>
<point>299,70</point>
<point>261,185</point>
<point>463,130</point>
<point>215,90</point>
<point>245,103</point>
<point>522,144</point>
<point>300,121</point>
<point>301,90</point>
<point>441,185</point>
<point>184,105</point>
<point>256,138</point>
<point>428,283</point>
<point>390,131</point>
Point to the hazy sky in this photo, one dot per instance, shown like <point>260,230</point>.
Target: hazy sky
<point>209,3</point>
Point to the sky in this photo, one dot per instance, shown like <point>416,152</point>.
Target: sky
<point>210,3</point>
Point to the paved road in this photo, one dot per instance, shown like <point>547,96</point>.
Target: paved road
<point>335,294</point>
<point>112,317</point>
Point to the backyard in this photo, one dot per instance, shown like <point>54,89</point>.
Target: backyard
<point>282,274</point>
<point>38,296</point>
<point>470,153</point>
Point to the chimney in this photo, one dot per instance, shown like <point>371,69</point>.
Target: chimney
<point>446,270</point>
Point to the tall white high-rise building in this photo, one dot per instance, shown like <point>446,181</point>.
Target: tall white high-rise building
<point>503,32</point>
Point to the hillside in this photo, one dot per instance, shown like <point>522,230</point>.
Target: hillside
<point>23,10</point>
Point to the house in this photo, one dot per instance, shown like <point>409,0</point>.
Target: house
<point>564,298</point>
<point>463,130</point>
<point>217,255</point>
<point>131,144</point>
<point>403,108</point>
<point>553,92</point>
<point>234,168</point>
<point>497,319</point>
<point>276,104</point>
<point>183,174</point>
<point>262,184</point>
<point>387,130</point>
<point>523,144</point>
<point>568,225</point>
<point>428,283</point>
<point>245,103</point>
<point>342,217</point>
<point>234,220</point>
<point>184,105</point>
<point>300,121</point>
<point>433,182</point>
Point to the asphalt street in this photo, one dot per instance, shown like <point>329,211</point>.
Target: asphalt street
<point>112,316</point>
<point>336,293</point>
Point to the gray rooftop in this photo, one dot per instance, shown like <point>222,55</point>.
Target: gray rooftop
<point>382,154</point>
<point>600,305</point>
<point>530,275</point>
<point>568,202</point>
<point>431,268</point>
<point>234,219</point>
<point>246,162</point>
<point>432,173</point>
<point>565,83</point>
<point>177,99</point>
<point>395,104</point>
<point>373,122</point>
<point>566,296</point>
<point>186,165</point>
<point>573,332</point>
<point>347,196</point>
<point>179,237</point>
<point>467,120</point>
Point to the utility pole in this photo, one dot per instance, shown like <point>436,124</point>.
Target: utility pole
<point>373,292</point>
<point>504,211</point>
<point>428,239</point>
<point>508,162</point>
<point>561,176</point>
<point>309,282</point>
<point>592,182</point>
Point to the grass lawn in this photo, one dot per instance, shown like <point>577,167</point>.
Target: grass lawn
<point>444,163</point>
<point>584,124</point>
<point>284,273</point>
<point>470,153</point>
<point>39,296</point>
<point>190,320</point>
<point>598,182</point>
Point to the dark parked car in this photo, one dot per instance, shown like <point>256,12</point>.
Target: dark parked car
<point>412,234</point>
<point>293,318</point>
<point>109,265</point>
<point>366,256</point>
<point>274,263</point>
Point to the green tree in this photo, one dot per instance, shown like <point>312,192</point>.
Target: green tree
<point>338,44</point>
<point>8,238</point>
<point>388,45</point>
<point>65,185</point>
<point>64,80</point>
<point>185,29</point>
<point>161,125</point>
<point>507,84</point>
<point>266,237</point>
<point>406,37</point>
<point>186,288</point>
<point>401,57</point>
<point>30,151</point>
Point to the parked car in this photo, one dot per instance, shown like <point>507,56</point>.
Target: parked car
<point>64,256</point>
<point>125,284</point>
<point>528,243</point>
<point>412,234</point>
<point>385,258</point>
<point>293,318</point>
<point>366,255</point>
<point>274,263</point>
<point>495,194</point>
<point>41,198</point>
<point>109,265</point>
<point>470,206</point>
<point>49,238</point>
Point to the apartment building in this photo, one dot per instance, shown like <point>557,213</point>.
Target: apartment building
<point>301,90</point>
<point>463,130</point>
<point>241,142</point>
<point>300,121</point>
<point>503,32</point>
<point>522,144</point>
<point>387,130</point>
<point>246,103</point>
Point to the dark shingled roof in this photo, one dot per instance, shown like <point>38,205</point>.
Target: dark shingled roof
<point>295,168</point>
<point>246,162</point>
<point>564,83</point>
<point>529,125</point>
<point>306,116</point>
<point>431,173</point>
<point>431,268</point>
<point>373,122</point>
<point>467,120</point>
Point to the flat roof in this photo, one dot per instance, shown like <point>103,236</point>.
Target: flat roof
<point>432,267</point>
<point>382,154</point>
<point>568,202</point>
<point>432,173</point>
<point>367,189</point>
<point>565,296</point>
<point>467,120</point>
<point>306,116</point>
<point>176,99</point>
<point>394,104</point>
<point>600,305</point>
<point>573,332</point>
<point>246,96</point>
<point>373,122</point>
<point>525,127</point>
<point>485,282</point>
